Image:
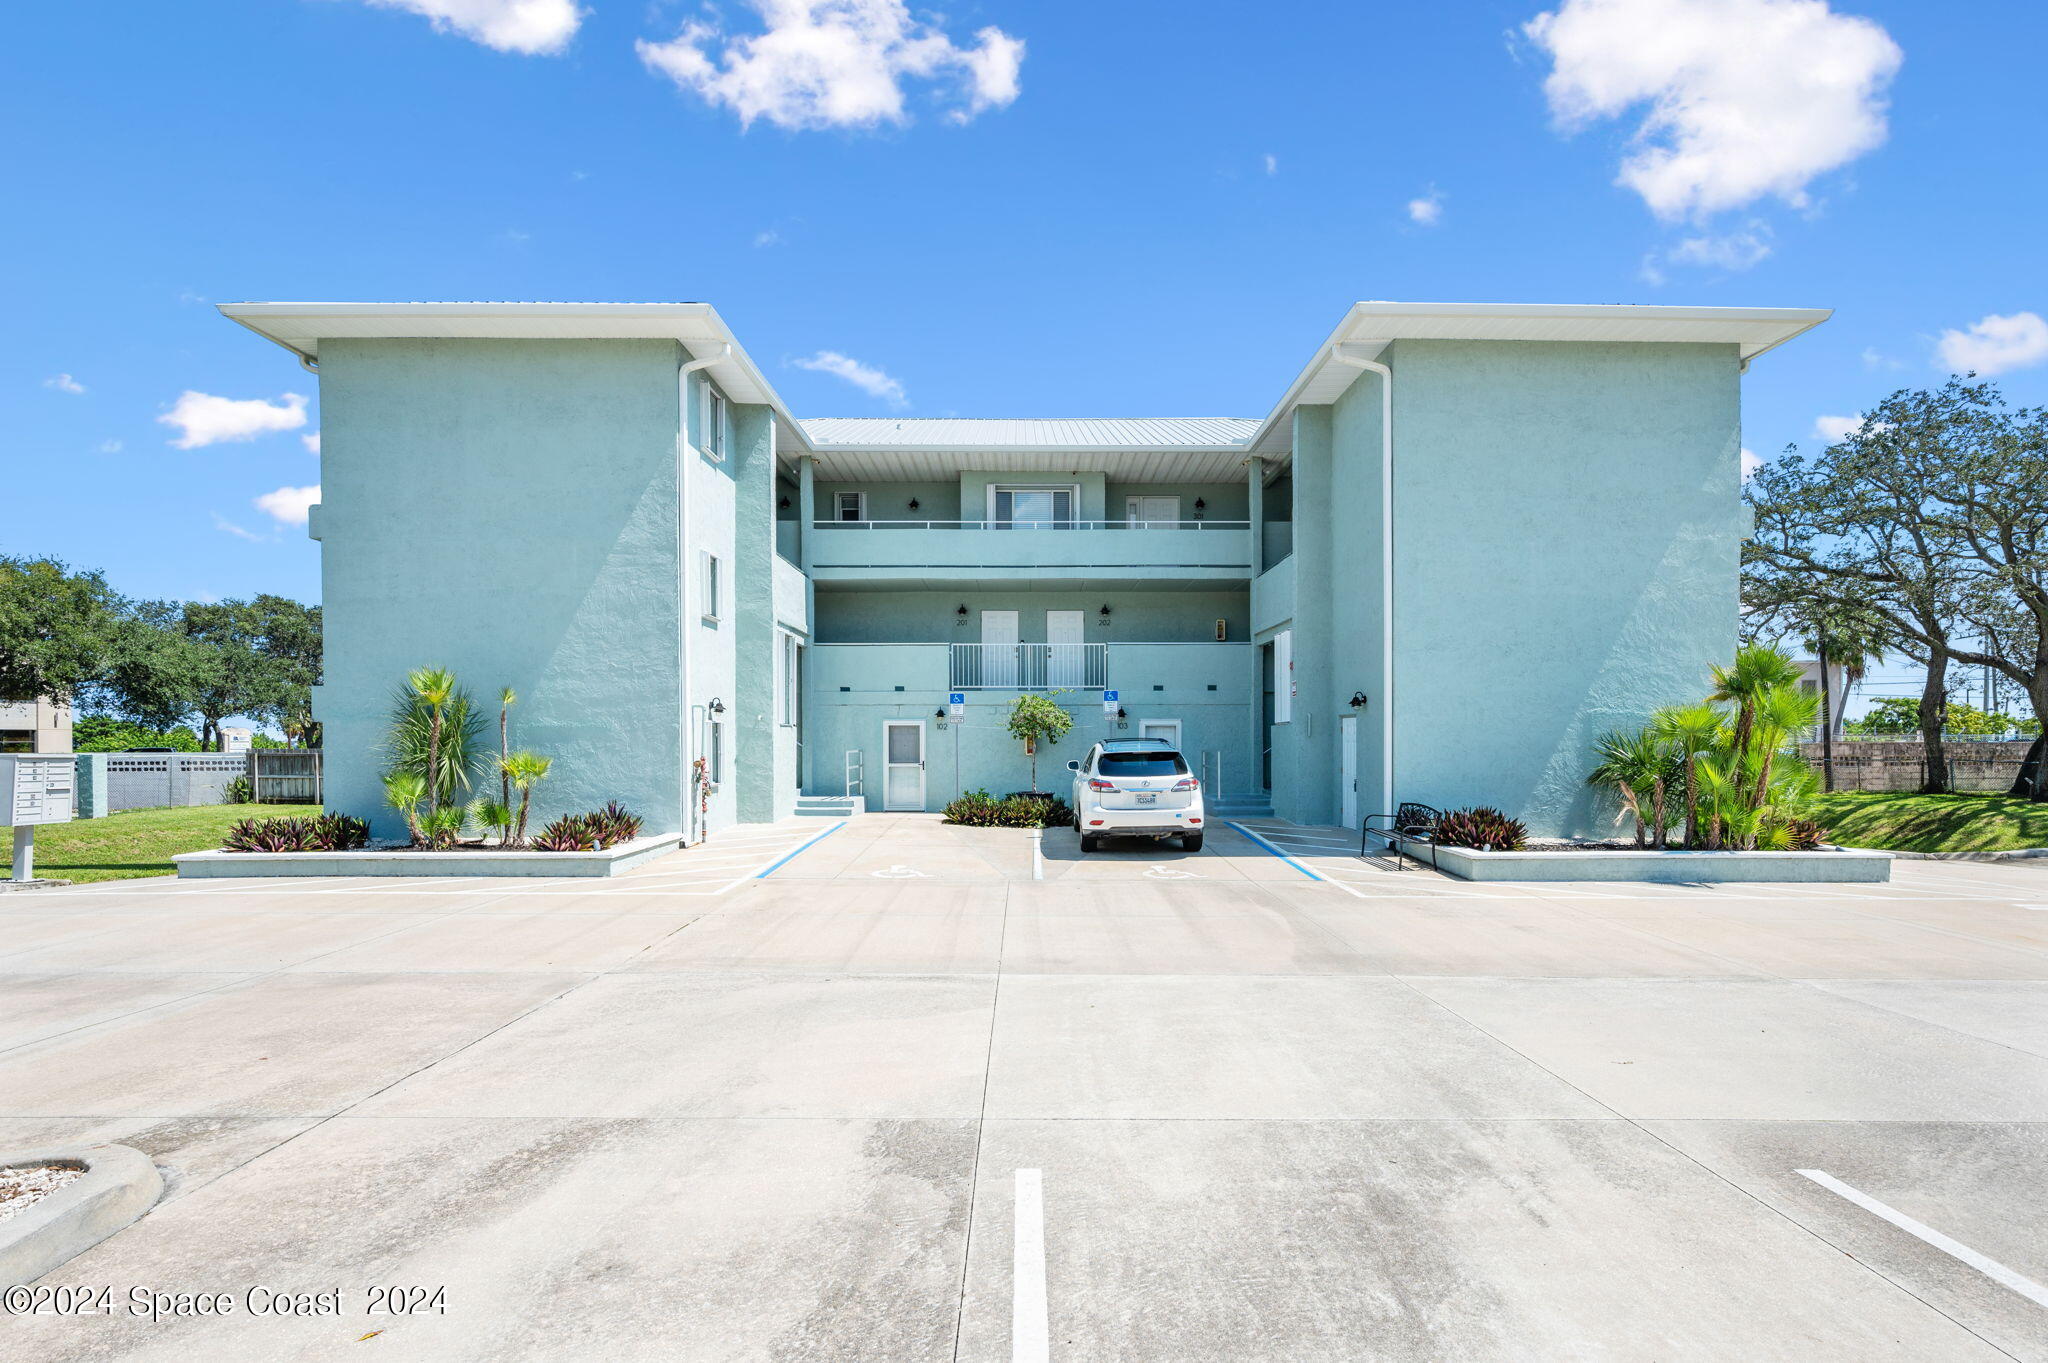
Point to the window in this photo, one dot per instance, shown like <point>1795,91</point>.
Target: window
<point>17,740</point>
<point>712,437</point>
<point>710,586</point>
<point>1032,508</point>
<point>716,753</point>
<point>1283,676</point>
<point>850,506</point>
<point>792,680</point>
<point>1141,764</point>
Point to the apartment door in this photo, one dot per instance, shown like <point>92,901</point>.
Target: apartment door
<point>903,764</point>
<point>998,648</point>
<point>1347,742</point>
<point>1066,654</point>
<point>1140,512</point>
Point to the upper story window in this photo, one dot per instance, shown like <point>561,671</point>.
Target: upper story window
<point>849,506</point>
<point>1032,508</point>
<point>709,586</point>
<point>711,436</point>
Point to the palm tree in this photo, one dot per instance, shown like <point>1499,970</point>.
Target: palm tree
<point>1691,730</point>
<point>525,770</point>
<point>433,687</point>
<point>404,791</point>
<point>1779,713</point>
<point>505,700</point>
<point>1757,668</point>
<point>1639,767</point>
<point>1851,638</point>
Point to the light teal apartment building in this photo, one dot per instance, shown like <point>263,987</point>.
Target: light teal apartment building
<point>1463,543</point>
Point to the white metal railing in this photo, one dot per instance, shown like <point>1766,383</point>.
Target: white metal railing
<point>1029,667</point>
<point>1069,524</point>
<point>856,781</point>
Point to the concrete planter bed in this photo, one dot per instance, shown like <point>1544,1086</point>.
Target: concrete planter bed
<point>117,1185</point>
<point>1829,865</point>
<point>406,861</point>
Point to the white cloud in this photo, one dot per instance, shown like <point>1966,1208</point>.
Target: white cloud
<point>767,236</point>
<point>1834,428</point>
<point>110,447</point>
<point>1271,163</point>
<point>834,64</point>
<point>288,504</point>
<point>1750,463</point>
<point>64,383</point>
<point>865,377</point>
<point>228,527</point>
<point>203,419</point>
<point>1994,344</point>
<point>1873,358</point>
<point>1743,99</point>
<point>1737,250</point>
<point>311,442</point>
<point>1427,210</point>
<point>529,27</point>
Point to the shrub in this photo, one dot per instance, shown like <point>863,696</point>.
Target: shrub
<point>1481,827</point>
<point>1805,835</point>
<point>570,833</point>
<point>614,824</point>
<point>326,833</point>
<point>238,792</point>
<point>979,809</point>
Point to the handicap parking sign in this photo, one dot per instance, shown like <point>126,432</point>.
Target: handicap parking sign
<point>1109,703</point>
<point>956,701</point>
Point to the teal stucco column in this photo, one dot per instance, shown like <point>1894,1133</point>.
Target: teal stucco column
<point>1256,501</point>
<point>806,510</point>
<point>1311,734</point>
<point>753,583</point>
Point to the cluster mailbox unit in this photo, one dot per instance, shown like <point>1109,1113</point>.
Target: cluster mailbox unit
<point>35,789</point>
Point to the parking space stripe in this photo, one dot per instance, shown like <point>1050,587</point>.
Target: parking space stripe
<point>1030,1323</point>
<point>1989,1267</point>
<point>1327,880</point>
<point>771,870</point>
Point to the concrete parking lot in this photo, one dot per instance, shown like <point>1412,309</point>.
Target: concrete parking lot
<point>890,1090</point>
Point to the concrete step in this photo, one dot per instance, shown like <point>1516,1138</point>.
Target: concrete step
<point>830,806</point>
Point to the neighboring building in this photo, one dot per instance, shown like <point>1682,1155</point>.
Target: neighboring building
<point>1836,698</point>
<point>35,726</point>
<point>607,507</point>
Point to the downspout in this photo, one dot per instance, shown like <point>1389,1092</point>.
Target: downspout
<point>686,715</point>
<point>1338,353</point>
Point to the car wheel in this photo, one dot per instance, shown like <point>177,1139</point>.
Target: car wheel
<point>1191,842</point>
<point>1089,842</point>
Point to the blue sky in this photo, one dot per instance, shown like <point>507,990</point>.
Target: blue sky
<point>999,209</point>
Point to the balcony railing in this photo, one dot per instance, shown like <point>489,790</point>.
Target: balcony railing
<point>1033,525</point>
<point>1029,667</point>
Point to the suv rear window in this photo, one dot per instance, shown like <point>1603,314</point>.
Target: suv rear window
<point>1141,764</point>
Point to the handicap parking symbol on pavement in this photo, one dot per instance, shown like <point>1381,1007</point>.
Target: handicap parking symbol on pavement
<point>1171,873</point>
<point>900,872</point>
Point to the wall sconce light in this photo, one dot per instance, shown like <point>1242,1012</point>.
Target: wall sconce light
<point>960,614</point>
<point>1102,617</point>
<point>940,715</point>
<point>1358,700</point>
<point>913,503</point>
<point>1200,507</point>
<point>1123,721</point>
<point>717,706</point>
<point>783,504</point>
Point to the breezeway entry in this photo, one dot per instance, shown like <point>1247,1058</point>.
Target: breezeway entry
<point>903,764</point>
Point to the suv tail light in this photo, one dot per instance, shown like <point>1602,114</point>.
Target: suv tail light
<point>1097,783</point>
<point>1187,783</point>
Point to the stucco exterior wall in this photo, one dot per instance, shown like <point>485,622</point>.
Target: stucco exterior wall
<point>506,509</point>
<point>1566,553</point>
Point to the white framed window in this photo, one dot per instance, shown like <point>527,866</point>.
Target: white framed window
<point>792,681</point>
<point>849,506</point>
<point>710,586</point>
<point>712,436</point>
<point>1033,508</point>
<point>1283,676</point>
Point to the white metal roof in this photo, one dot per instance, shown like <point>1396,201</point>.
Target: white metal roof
<point>1139,449</point>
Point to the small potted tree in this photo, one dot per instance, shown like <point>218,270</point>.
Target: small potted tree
<point>1038,719</point>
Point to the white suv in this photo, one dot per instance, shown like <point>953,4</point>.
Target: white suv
<point>1136,787</point>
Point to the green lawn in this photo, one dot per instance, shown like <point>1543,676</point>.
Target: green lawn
<point>1932,823</point>
<point>136,842</point>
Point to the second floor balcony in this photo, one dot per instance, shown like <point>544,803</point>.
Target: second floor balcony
<point>912,550</point>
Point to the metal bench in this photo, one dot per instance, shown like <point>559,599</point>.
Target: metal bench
<point>1410,823</point>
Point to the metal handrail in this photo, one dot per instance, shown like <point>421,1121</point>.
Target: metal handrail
<point>1033,524</point>
<point>1028,667</point>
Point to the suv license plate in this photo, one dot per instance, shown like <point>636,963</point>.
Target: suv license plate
<point>1148,799</point>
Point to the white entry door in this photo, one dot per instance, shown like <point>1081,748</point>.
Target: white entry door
<point>1140,512</point>
<point>998,648</point>
<point>1347,741</point>
<point>1066,661</point>
<point>903,764</point>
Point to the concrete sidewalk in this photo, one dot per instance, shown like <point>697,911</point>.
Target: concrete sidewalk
<point>696,1114</point>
